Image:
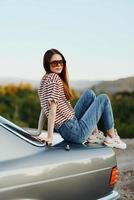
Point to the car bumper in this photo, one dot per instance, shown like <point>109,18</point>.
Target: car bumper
<point>113,196</point>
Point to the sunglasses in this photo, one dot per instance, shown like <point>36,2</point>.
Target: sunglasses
<point>55,63</point>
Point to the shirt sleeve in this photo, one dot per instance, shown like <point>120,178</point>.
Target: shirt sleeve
<point>53,92</point>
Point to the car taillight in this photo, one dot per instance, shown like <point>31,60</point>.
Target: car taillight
<point>114,176</point>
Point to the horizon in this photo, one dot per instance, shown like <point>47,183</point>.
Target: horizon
<point>37,80</point>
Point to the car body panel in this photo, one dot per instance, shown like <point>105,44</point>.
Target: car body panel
<point>29,171</point>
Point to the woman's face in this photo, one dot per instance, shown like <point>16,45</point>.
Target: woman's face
<point>56,64</point>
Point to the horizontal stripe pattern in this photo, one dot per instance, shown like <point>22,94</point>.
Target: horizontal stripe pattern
<point>51,89</point>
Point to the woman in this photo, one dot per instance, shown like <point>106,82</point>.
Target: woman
<point>78,124</point>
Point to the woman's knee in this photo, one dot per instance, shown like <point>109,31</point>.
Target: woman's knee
<point>90,93</point>
<point>103,97</point>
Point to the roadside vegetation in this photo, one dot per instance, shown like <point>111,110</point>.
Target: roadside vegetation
<point>20,104</point>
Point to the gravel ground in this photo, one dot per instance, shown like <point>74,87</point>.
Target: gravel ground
<point>125,161</point>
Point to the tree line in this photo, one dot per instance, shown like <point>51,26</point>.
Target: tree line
<point>20,104</point>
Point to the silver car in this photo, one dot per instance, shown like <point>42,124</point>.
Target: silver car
<point>30,170</point>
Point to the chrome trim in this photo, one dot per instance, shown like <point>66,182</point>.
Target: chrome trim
<point>22,137</point>
<point>113,196</point>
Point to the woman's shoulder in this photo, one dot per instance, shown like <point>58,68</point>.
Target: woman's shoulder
<point>52,77</point>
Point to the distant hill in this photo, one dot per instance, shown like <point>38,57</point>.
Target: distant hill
<point>81,85</point>
<point>120,85</point>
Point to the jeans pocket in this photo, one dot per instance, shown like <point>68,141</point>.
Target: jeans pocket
<point>69,126</point>
<point>71,131</point>
<point>64,131</point>
<point>72,124</point>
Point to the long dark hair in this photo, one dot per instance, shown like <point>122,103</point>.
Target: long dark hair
<point>63,75</point>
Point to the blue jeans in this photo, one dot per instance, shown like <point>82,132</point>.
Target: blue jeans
<point>88,111</point>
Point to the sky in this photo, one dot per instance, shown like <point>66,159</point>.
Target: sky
<point>95,36</point>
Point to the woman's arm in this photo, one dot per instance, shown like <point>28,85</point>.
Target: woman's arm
<point>41,121</point>
<point>51,121</point>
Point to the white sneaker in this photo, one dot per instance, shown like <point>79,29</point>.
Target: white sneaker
<point>115,141</point>
<point>97,137</point>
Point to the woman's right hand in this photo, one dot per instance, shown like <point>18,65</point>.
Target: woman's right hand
<point>47,140</point>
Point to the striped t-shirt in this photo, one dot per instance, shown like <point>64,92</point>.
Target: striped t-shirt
<point>51,89</point>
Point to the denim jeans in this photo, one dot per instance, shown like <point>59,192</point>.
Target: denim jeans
<point>88,111</point>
